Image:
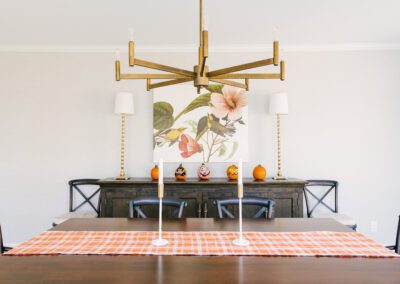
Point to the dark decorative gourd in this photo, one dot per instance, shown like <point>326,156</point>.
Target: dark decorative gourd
<point>180,173</point>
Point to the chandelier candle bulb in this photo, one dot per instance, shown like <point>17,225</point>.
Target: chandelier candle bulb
<point>275,33</point>
<point>205,23</point>
<point>131,34</point>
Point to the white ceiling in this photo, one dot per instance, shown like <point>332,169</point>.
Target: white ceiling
<point>174,22</point>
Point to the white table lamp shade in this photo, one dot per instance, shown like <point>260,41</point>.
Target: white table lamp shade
<point>124,103</point>
<point>278,103</point>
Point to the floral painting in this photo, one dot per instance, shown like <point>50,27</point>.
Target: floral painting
<point>210,127</point>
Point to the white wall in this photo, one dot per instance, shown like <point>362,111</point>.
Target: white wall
<point>56,124</point>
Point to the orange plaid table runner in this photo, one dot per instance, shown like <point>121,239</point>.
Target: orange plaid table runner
<point>340,244</point>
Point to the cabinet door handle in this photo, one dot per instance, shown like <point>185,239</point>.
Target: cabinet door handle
<point>205,209</point>
<point>199,210</point>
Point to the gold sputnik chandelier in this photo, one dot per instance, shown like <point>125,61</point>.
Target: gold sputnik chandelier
<point>201,76</point>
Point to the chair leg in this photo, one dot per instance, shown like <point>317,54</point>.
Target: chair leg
<point>353,227</point>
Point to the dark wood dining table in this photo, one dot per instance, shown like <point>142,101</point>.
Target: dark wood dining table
<point>198,269</point>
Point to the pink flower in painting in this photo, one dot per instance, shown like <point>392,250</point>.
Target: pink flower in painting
<point>230,103</point>
<point>188,146</point>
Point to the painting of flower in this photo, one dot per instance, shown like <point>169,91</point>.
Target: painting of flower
<point>229,103</point>
<point>206,127</point>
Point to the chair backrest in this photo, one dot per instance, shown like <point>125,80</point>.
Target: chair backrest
<point>267,206</point>
<point>136,203</point>
<point>397,245</point>
<point>77,185</point>
<point>327,186</point>
<point>1,242</point>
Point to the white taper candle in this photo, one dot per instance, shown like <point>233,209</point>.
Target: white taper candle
<point>240,172</point>
<point>160,171</point>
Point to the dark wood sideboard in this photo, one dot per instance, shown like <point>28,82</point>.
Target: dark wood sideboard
<point>115,194</point>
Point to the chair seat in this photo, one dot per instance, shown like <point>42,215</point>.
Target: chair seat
<point>77,214</point>
<point>341,218</point>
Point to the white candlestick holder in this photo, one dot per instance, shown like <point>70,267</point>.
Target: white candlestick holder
<point>160,241</point>
<point>241,241</point>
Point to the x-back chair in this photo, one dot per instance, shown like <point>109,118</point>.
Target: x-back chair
<point>329,187</point>
<point>77,186</point>
<point>267,206</point>
<point>135,205</point>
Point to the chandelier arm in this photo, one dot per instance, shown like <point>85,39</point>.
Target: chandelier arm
<point>166,68</point>
<point>201,76</point>
<point>231,83</point>
<point>168,83</point>
<point>154,76</point>
<point>247,76</point>
<point>246,66</point>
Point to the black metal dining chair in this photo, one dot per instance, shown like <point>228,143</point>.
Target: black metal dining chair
<point>396,247</point>
<point>135,205</point>
<point>3,249</point>
<point>1,242</point>
<point>81,187</point>
<point>327,187</point>
<point>267,206</point>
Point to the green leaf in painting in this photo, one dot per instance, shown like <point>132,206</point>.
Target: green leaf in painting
<point>234,149</point>
<point>201,126</point>
<point>200,101</point>
<point>222,150</point>
<point>162,115</point>
<point>215,88</point>
<point>193,125</point>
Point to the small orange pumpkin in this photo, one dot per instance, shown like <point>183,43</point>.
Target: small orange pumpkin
<point>154,173</point>
<point>180,173</point>
<point>232,172</point>
<point>259,173</point>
